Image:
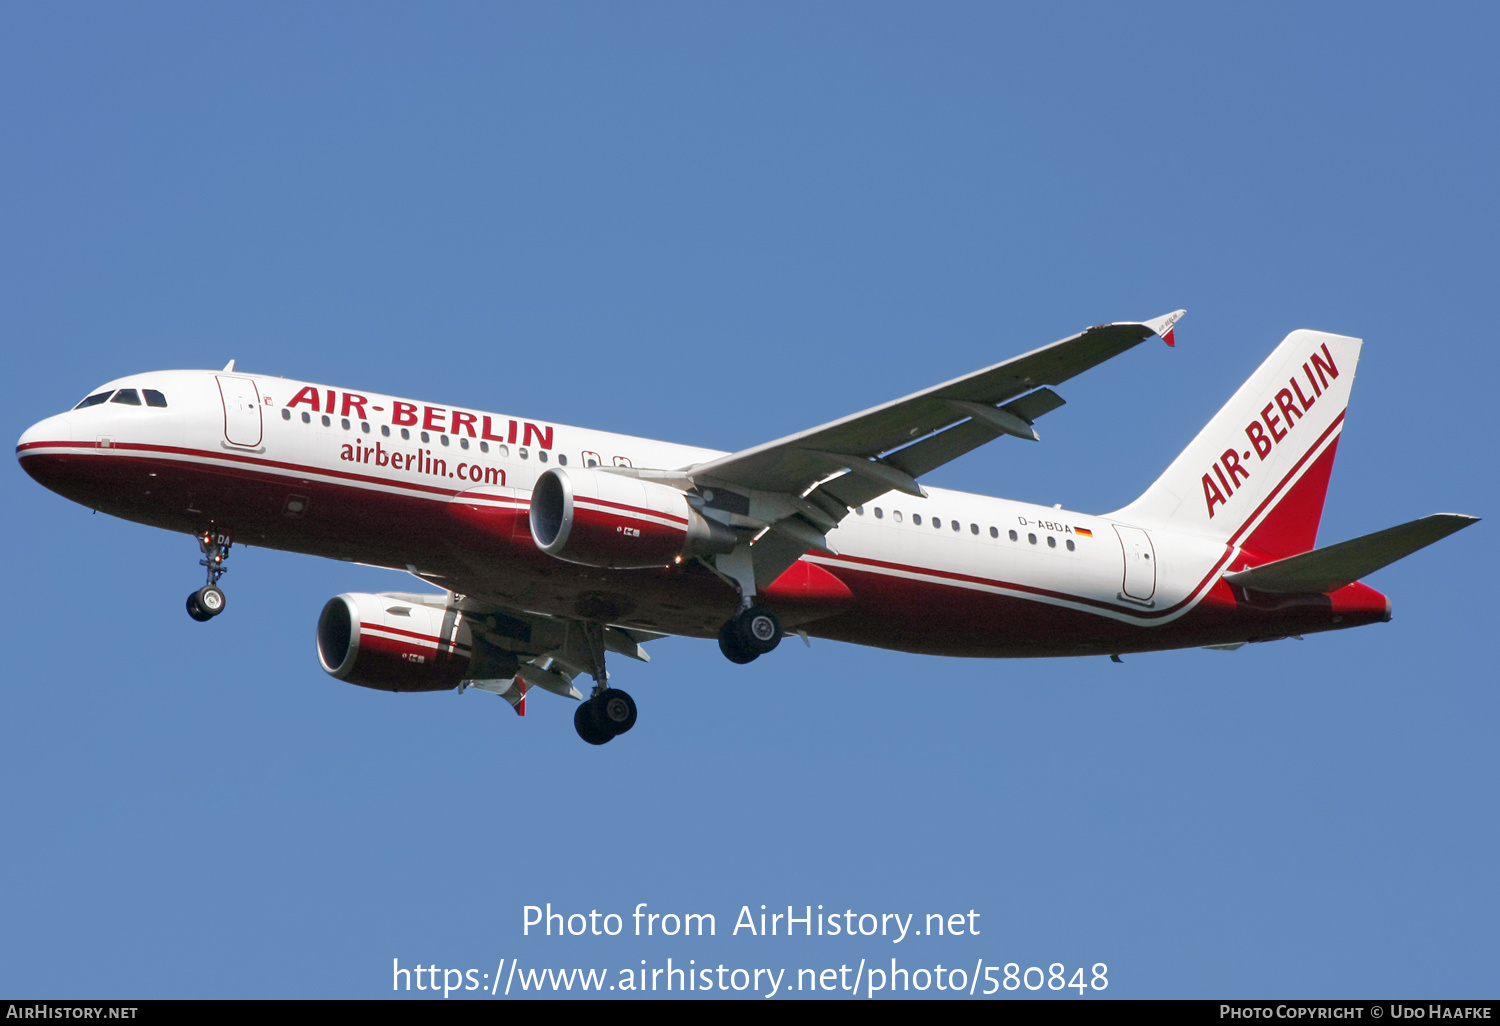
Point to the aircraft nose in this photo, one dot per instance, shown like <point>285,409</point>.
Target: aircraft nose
<point>52,429</point>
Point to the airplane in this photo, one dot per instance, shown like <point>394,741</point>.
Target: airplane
<point>555,546</point>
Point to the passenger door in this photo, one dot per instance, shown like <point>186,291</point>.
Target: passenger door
<point>242,424</point>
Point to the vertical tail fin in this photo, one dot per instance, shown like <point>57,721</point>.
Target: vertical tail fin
<point>1256,476</point>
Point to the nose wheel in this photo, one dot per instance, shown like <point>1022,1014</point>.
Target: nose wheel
<point>205,603</point>
<point>208,601</point>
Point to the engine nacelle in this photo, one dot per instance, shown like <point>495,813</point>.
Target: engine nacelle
<point>393,642</point>
<point>601,519</point>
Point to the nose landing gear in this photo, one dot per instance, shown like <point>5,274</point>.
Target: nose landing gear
<point>208,601</point>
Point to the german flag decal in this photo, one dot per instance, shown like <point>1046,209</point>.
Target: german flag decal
<point>1083,532</point>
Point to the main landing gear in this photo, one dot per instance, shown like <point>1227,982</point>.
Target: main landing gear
<point>753,632</point>
<point>610,712</point>
<point>208,601</point>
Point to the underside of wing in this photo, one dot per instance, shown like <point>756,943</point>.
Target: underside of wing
<point>513,650</point>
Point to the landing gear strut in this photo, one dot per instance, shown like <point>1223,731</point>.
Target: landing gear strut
<point>208,601</point>
<point>608,712</point>
<point>753,632</point>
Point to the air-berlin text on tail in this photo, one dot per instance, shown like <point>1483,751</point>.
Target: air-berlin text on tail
<point>428,418</point>
<point>1275,423</point>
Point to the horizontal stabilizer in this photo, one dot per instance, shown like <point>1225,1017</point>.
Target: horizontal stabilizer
<point>1328,569</point>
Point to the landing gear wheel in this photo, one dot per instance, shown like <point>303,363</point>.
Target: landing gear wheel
<point>583,722</point>
<point>759,629</point>
<point>614,711</point>
<point>731,644</point>
<point>210,599</point>
<point>196,611</point>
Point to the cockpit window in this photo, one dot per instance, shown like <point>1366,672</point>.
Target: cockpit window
<point>127,396</point>
<point>154,398</point>
<point>94,400</point>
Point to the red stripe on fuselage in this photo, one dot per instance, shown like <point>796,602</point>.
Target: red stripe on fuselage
<point>260,471</point>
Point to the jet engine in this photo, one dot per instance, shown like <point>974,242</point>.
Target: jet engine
<point>393,642</point>
<point>601,519</point>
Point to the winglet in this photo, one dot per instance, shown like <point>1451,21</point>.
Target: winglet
<point>1164,326</point>
<point>228,367</point>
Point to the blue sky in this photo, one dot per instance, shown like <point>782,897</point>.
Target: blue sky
<point>718,224</point>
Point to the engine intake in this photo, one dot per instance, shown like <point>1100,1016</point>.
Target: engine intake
<point>609,520</point>
<point>393,643</point>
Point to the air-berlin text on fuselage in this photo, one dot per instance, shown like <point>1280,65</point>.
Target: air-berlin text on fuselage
<point>422,461</point>
<point>430,418</point>
<point>1266,432</point>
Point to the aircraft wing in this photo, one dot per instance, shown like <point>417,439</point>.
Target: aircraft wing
<point>822,472</point>
<point>893,443</point>
<point>513,650</point>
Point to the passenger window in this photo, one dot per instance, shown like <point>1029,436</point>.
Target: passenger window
<point>1031,538</point>
<point>426,437</point>
<point>93,400</point>
<point>541,454</point>
<point>385,429</point>
<point>502,451</point>
<point>1071,546</point>
<point>405,435</point>
<point>859,511</point>
<point>937,522</point>
<point>286,414</point>
<point>896,516</point>
<point>959,527</point>
<point>326,421</point>
<point>879,513</point>
<point>344,423</point>
<point>443,439</point>
<point>1014,536</point>
<point>127,397</point>
<point>916,518</point>
<point>973,528</point>
<point>522,452</point>
<point>562,458</point>
<point>994,532</point>
<point>154,398</point>
<point>364,426</point>
<point>1051,542</point>
<point>306,417</point>
<point>463,442</point>
<point>484,446</point>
